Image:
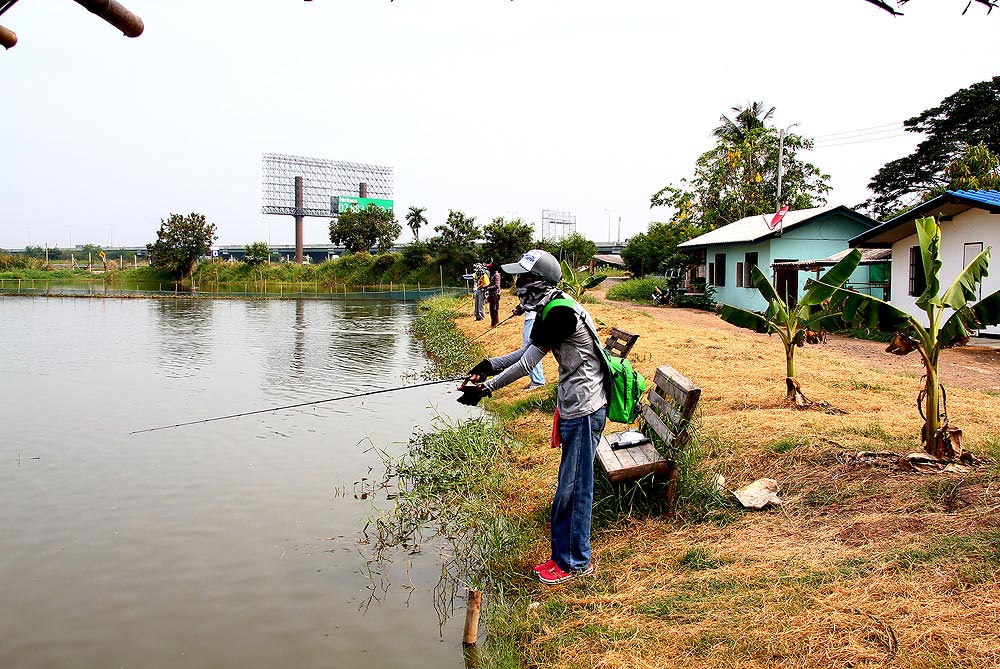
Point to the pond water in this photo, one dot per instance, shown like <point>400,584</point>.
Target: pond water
<point>230,543</point>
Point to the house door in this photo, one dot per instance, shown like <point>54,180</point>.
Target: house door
<point>786,280</point>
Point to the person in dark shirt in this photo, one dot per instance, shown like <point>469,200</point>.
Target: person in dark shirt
<point>493,294</point>
<point>565,328</point>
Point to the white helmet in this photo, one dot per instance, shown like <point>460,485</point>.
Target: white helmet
<point>538,262</point>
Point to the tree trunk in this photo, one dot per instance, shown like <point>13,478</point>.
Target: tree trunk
<point>792,389</point>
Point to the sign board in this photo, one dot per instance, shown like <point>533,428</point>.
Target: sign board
<point>344,203</point>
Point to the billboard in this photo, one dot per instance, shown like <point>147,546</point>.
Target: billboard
<point>344,202</point>
<point>324,182</point>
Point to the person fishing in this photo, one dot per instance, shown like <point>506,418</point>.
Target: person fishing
<point>479,294</point>
<point>493,293</point>
<point>565,328</point>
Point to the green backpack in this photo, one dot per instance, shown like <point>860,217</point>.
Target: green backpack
<point>625,385</point>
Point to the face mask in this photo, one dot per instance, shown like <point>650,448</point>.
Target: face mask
<point>531,291</point>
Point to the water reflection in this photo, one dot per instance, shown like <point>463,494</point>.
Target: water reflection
<point>184,329</point>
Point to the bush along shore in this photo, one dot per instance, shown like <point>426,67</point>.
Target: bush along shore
<point>866,562</point>
<point>352,273</point>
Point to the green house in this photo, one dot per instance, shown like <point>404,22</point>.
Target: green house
<point>727,255</point>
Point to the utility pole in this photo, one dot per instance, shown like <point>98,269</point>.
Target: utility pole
<point>618,237</point>
<point>781,159</point>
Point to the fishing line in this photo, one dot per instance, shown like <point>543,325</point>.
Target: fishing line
<point>493,328</point>
<point>300,404</point>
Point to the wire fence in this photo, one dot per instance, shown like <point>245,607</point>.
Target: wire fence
<point>234,289</point>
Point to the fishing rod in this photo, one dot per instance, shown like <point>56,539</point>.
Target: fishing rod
<point>302,404</point>
<point>493,328</point>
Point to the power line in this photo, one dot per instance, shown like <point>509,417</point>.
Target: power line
<point>860,141</point>
<point>851,132</point>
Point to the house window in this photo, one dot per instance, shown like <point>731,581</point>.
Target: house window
<point>739,274</point>
<point>749,263</point>
<point>720,269</point>
<point>918,281</point>
<point>711,274</point>
<point>973,249</point>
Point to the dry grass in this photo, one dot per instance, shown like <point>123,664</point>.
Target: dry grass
<point>866,566</point>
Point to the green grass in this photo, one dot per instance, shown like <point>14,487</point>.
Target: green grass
<point>698,558</point>
<point>786,444</point>
<point>636,290</point>
<point>450,351</point>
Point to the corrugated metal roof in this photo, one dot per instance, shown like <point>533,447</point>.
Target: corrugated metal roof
<point>990,197</point>
<point>868,257</point>
<point>752,228</point>
<point>610,259</point>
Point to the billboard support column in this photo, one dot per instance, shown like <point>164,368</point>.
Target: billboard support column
<point>299,205</point>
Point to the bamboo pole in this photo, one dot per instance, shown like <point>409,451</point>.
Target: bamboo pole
<point>472,617</point>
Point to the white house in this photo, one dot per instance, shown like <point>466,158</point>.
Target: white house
<point>970,222</point>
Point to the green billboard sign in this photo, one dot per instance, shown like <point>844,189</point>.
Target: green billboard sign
<point>347,202</point>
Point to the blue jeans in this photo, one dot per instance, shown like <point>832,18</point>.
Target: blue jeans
<point>537,375</point>
<point>574,500</point>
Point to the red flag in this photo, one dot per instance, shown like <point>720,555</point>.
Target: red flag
<point>777,218</point>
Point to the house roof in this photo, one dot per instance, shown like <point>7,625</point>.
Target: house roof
<point>754,228</point>
<point>609,259</point>
<point>868,257</point>
<point>945,206</point>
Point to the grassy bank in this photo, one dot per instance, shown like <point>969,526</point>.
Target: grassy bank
<point>866,565</point>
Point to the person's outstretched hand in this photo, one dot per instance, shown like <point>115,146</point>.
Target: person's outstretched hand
<point>472,394</point>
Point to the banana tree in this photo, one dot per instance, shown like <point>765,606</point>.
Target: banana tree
<point>805,322</point>
<point>577,283</point>
<point>950,318</point>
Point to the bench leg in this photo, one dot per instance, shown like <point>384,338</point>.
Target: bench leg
<point>671,497</point>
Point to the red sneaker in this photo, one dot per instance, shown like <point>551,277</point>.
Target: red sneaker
<point>545,566</point>
<point>555,574</point>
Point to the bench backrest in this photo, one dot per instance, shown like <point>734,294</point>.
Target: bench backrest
<point>620,342</point>
<point>672,401</point>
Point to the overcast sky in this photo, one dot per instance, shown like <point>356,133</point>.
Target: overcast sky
<point>493,107</point>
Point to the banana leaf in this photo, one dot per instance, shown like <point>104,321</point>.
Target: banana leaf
<point>745,319</point>
<point>983,313</point>
<point>860,310</point>
<point>764,285</point>
<point>819,291</point>
<point>929,237</point>
<point>595,280</point>
<point>965,287</point>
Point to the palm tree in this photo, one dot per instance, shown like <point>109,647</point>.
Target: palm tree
<point>751,117</point>
<point>414,219</point>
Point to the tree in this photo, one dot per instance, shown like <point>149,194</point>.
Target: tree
<point>180,241</point>
<point>415,219</point>
<point>656,249</point>
<point>257,253</point>
<point>573,248</point>
<point>989,4</point>
<point>455,245</point>
<point>796,324</point>
<point>506,241</point>
<point>738,176</point>
<point>751,117</point>
<point>363,229</point>
<point>910,334</point>
<point>968,117</point>
<point>977,169</point>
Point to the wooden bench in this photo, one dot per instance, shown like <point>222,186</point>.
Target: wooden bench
<point>620,342</point>
<point>672,401</point>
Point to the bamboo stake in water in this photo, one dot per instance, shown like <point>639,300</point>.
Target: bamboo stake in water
<point>472,617</point>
